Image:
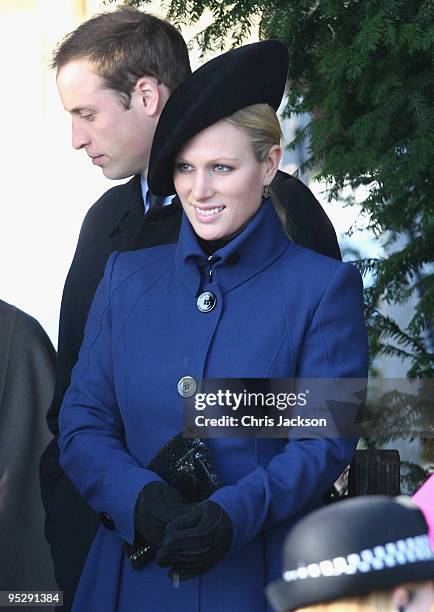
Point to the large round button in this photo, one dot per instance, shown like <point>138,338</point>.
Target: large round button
<point>206,301</point>
<point>187,386</point>
<point>107,520</point>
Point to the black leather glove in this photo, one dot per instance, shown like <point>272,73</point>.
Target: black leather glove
<point>157,504</point>
<point>196,540</point>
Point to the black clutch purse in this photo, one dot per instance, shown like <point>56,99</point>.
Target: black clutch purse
<point>185,464</point>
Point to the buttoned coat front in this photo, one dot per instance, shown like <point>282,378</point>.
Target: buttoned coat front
<point>282,311</point>
<point>116,223</point>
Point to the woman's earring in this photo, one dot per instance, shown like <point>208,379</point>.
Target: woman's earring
<point>266,192</point>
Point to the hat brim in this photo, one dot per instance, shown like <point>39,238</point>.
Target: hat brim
<point>252,74</point>
<point>288,596</point>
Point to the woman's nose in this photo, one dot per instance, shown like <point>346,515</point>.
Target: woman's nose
<point>203,186</point>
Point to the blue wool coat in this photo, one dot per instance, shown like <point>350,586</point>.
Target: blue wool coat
<point>282,311</point>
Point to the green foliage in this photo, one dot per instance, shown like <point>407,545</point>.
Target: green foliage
<point>363,69</point>
<point>412,477</point>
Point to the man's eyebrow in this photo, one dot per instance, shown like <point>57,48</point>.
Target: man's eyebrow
<point>76,110</point>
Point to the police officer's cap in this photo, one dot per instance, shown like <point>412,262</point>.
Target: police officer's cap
<point>351,548</point>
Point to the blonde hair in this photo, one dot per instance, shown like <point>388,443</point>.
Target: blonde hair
<point>262,126</point>
<point>263,129</point>
<point>377,601</point>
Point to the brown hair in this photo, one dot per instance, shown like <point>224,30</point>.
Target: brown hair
<point>125,45</point>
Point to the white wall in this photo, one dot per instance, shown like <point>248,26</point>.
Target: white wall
<point>45,186</point>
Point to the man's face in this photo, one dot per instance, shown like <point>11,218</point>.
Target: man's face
<point>118,140</point>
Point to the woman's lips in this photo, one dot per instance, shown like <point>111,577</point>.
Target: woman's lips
<point>208,214</point>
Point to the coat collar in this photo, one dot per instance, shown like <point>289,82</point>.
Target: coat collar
<point>260,243</point>
<point>131,208</point>
<point>132,213</point>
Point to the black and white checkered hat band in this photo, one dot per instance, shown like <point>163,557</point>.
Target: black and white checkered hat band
<point>392,554</point>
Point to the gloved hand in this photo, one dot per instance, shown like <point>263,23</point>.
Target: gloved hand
<point>196,540</point>
<point>156,505</point>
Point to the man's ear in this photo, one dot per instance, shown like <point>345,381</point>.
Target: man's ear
<point>150,95</point>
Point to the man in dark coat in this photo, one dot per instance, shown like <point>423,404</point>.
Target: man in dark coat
<point>115,100</point>
<point>27,361</point>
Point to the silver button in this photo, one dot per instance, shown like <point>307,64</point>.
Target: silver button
<point>187,386</point>
<point>206,301</point>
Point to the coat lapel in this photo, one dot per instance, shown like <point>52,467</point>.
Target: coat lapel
<point>131,209</point>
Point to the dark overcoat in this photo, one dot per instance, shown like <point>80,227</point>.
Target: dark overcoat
<point>282,311</point>
<point>117,223</point>
<point>27,365</point>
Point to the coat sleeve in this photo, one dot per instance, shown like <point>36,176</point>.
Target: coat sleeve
<point>86,271</point>
<point>92,446</point>
<point>334,346</point>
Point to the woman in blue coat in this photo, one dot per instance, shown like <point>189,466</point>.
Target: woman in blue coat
<point>234,298</point>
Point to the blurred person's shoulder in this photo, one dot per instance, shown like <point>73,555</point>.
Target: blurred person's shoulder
<point>21,331</point>
<point>13,317</point>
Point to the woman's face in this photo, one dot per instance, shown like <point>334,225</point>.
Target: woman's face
<point>219,182</point>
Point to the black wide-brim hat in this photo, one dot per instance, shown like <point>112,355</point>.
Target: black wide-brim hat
<point>352,548</point>
<point>251,74</point>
